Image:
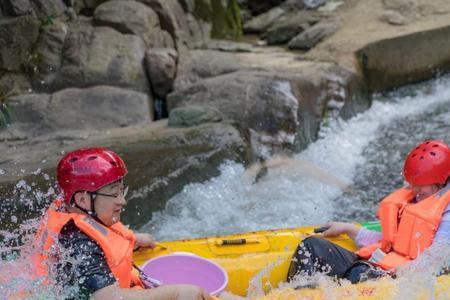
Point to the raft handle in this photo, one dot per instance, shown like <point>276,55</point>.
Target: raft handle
<point>230,242</point>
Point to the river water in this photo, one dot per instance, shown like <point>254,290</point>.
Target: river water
<point>366,152</point>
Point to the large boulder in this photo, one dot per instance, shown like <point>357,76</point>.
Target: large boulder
<point>131,17</point>
<point>389,63</point>
<point>17,37</point>
<point>100,56</point>
<point>198,64</point>
<point>283,110</point>
<point>161,66</point>
<point>313,35</point>
<point>160,160</point>
<point>100,107</point>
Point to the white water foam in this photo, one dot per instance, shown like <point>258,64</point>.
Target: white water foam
<point>286,197</point>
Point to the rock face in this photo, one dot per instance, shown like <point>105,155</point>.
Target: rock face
<point>97,56</point>
<point>161,67</point>
<point>47,53</point>
<point>397,61</point>
<point>160,160</point>
<point>199,64</point>
<point>131,17</point>
<point>17,37</point>
<point>182,26</point>
<point>96,108</point>
<point>18,7</point>
<point>49,8</point>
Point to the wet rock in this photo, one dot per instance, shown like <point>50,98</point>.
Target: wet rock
<point>313,35</point>
<point>288,27</point>
<point>19,34</point>
<point>401,60</point>
<point>197,64</point>
<point>261,101</point>
<point>130,17</point>
<point>161,67</point>
<point>47,52</point>
<point>48,8</point>
<point>100,56</point>
<point>283,110</point>
<point>260,23</point>
<point>193,116</point>
<point>100,107</point>
<point>17,7</point>
<point>160,160</point>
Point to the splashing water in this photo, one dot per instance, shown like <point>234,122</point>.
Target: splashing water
<point>284,198</point>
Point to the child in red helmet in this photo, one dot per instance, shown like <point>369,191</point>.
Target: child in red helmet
<point>412,219</point>
<point>86,222</point>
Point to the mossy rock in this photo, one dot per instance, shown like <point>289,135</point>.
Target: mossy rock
<point>225,16</point>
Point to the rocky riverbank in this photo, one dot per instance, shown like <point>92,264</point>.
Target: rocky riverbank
<point>85,73</point>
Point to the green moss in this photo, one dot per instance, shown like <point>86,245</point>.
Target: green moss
<point>6,112</point>
<point>203,10</point>
<point>226,21</point>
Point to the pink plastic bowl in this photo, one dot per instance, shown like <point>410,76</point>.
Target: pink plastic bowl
<point>187,268</point>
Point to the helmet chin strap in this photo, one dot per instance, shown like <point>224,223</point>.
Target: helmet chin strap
<point>92,211</point>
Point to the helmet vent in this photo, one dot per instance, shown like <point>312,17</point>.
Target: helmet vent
<point>73,159</point>
<point>113,163</point>
<point>92,157</point>
<point>414,155</point>
<point>432,153</point>
<point>421,158</point>
<point>435,146</point>
<point>427,143</point>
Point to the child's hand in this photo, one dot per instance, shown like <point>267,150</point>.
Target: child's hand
<point>144,240</point>
<point>338,228</point>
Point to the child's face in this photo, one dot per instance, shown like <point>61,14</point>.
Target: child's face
<point>423,191</point>
<point>108,209</point>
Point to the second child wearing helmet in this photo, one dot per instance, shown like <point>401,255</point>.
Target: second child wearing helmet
<point>86,223</point>
<point>412,219</point>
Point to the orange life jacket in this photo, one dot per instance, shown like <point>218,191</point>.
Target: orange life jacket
<point>409,227</point>
<point>116,241</point>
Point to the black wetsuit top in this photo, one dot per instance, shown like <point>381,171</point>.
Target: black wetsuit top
<point>89,270</point>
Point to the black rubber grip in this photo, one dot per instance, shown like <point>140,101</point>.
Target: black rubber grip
<point>234,242</point>
<point>321,229</point>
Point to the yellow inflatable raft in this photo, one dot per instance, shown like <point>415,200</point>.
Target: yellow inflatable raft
<point>263,257</point>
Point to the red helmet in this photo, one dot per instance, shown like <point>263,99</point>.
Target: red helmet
<point>428,163</point>
<point>88,169</point>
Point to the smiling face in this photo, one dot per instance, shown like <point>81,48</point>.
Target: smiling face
<point>424,191</point>
<point>109,208</point>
